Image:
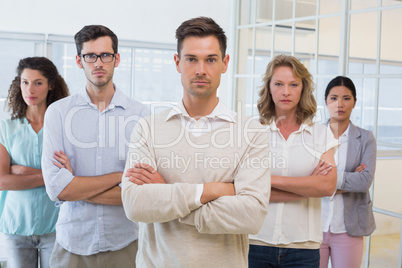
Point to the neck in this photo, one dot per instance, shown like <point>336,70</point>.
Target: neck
<point>338,127</point>
<point>286,120</point>
<point>100,96</point>
<point>36,114</point>
<point>199,107</point>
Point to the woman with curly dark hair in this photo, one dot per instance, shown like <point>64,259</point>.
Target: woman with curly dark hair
<point>27,215</point>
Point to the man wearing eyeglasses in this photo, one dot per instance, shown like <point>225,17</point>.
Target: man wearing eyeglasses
<point>84,154</point>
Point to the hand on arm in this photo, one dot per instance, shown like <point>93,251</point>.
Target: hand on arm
<point>322,168</point>
<point>358,169</point>
<point>361,168</point>
<point>214,190</point>
<point>17,177</point>
<point>144,174</point>
<point>63,161</point>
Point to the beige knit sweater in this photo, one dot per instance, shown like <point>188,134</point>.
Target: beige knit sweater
<point>173,230</point>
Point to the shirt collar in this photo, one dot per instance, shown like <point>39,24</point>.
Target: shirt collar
<point>219,112</point>
<point>303,127</point>
<point>344,134</point>
<point>118,99</point>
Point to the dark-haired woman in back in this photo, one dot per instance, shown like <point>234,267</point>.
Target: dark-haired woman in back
<point>348,215</point>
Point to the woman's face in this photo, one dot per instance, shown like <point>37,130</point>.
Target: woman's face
<point>285,90</point>
<point>340,103</point>
<point>34,87</point>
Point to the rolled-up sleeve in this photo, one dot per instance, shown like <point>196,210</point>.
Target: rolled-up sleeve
<point>55,179</point>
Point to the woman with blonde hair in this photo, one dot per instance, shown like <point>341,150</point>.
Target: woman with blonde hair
<point>301,171</point>
<point>27,215</point>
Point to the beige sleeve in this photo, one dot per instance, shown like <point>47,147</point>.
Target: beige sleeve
<point>245,212</point>
<point>153,202</point>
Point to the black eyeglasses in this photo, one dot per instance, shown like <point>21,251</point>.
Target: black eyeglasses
<point>105,57</point>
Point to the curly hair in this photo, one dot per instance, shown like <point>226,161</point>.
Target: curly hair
<point>15,102</point>
<point>307,106</point>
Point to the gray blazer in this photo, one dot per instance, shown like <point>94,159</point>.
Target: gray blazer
<point>362,148</point>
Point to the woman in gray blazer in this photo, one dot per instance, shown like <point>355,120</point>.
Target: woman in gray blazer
<point>347,216</point>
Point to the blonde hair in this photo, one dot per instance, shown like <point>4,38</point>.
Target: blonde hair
<point>307,106</point>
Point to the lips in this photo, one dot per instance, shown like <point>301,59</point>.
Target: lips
<point>285,101</point>
<point>200,82</point>
<point>31,98</point>
<point>97,72</point>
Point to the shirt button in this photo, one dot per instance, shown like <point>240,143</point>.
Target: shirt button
<point>99,157</point>
<point>100,218</point>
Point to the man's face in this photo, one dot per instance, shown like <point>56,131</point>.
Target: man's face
<point>98,74</point>
<point>201,65</point>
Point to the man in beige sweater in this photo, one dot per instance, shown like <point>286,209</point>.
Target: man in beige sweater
<point>197,175</point>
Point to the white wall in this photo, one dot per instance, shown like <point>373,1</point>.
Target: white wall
<point>151,21</point>
<point>3,114</point>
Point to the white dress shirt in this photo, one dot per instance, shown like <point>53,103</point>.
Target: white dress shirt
<point>293,222</point>
<point>332,215</point>
<point>97,144</point>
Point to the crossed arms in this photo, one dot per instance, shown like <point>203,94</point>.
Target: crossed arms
<point>61,184</point>
<point>225,207</point>
<point>322,182</point>
<point>17,177</point>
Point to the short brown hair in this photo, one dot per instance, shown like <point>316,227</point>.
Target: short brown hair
<point>93,32</point>
<point>15,101</point>
<point>307,106</point>
<point>201,27</point>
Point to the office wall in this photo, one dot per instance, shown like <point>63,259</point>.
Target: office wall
<point>149,21</point>
<point>3,114</point>
<point>153,21</point>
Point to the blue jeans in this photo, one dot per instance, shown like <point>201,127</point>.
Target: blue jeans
<point>264,256</point>
<point>27,251</point>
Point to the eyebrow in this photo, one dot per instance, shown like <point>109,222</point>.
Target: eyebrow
<point>342,95</point>
<point>39,79</point>
<point>195,56</point>
<point>279,80</point>
<point>97,54</point>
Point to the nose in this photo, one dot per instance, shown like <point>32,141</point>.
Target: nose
<point>340,103</point>
<point>286,91</point>
<point>30,89</point>
<point>200,71</point>
<point>98,61</point>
